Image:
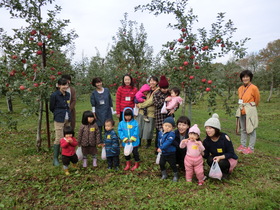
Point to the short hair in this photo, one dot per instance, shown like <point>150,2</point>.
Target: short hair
<point>66,76</point>
<point>85,117</point>
<point>95,80</point>
<point>131,80</point>
<point>153,78</point>
<point>68,130</point>
<point>176,91</point>
<point>246,73</point>
<point>185,120</point>
<point>217,132</point>
<point>111,121</point>
<point>128,112</point>
<point>62,81</point>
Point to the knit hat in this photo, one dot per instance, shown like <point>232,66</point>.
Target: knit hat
<point>194,129</point>
<point>169,120</point>
<point>213,122</point>
<point>163,83</point>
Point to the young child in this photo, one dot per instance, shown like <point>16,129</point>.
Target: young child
<point>112,145</point>
<point>140,97</point>
<point>167,148</point>
<point>193,158</point>
<point>174,100</point>
<point>59,106</point>
<point>182,132</point>
<point>89,138</point>
<point>68,145</point>
<point>129,133</point>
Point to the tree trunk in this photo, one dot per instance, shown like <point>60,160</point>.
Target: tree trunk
<point>190,103</point>
<point>271,90</point>
<point>183,111</point>
<point>39,128</point>
<point>9,103</point>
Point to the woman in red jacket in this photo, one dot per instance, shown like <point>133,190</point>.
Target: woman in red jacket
<point>125,95</point>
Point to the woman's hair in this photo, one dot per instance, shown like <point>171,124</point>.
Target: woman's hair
<point>62,81</point>
<point>96,80</point>
<point>85,117</point>
<point>185,120</point>
<point>217,132</point>
<point>153,78</point>
<point>66,76</point>
<point>131,80</point>
<point>128,112</point>
<point>68,130</point>
<point>111,121</point>
<point>246,73</point>
<point>176,91</point>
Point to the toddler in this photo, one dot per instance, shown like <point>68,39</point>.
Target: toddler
<point>193,159</point>
<point>89,137</point>
<point>68,145</point>
<point>112,145</point>
<point>129,133</point>
<point>174,100</point>
<point>140,97</point>
<point>167,148</point>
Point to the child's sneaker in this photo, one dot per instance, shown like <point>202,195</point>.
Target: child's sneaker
<point>248,151</point>
<point>201,183</point>
<point>241,148</point>
<point>146,119</point>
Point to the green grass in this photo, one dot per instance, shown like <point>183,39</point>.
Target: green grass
<point>29,181</point>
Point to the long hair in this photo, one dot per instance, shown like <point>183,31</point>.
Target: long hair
<point>131,80</point>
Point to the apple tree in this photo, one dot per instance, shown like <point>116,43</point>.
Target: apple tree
<point>34,57</point>
<point>189,56</point>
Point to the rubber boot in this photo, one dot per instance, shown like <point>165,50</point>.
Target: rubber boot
<point>66,172</point>
<point>94,162</point>
<point>164,174</point>
<point>176,177</point>
<point>149,142</point>
<point>127,166</point>
<point>137,164</point>
<point>56,151</point>
<point>84,163</point>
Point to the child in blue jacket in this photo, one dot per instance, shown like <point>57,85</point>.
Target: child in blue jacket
<point>129,134</point>
<point>112,145</point>
<point>167,148</point>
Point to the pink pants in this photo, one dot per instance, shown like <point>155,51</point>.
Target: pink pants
<point>194,165</point>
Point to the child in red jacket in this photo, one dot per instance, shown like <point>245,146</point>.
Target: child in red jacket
<point>68,145</point>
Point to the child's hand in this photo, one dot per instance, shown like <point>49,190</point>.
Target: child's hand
<point>168,98</point>
<point>185,140</point>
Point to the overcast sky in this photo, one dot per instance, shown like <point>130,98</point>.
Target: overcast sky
<point>97,21</point>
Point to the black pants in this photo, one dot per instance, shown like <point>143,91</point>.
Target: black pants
<point>224,164</point>
<point>171,159</point>
<point>135,155</point>
<point>67,159</point>
<point>113,161</point>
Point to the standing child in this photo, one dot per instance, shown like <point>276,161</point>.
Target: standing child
<point>112,145</point>
<point>174,100</point>
<point>89,138</point>
<point>59,106</point>
<point>129,133</point>
<point>167,148</point>
<point>68,145</point>
<point>193,158</point>
<point>140,97</point>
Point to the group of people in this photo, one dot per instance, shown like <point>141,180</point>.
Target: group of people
<point>140,113</point>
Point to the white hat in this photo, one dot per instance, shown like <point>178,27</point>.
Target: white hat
<point>213,122</point>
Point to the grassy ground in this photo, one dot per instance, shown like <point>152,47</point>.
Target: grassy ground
<point>29,181</point>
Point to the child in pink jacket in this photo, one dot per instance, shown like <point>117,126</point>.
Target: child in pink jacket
<point>173,101</point>
<point>140,97</point>
<point>193,159</point>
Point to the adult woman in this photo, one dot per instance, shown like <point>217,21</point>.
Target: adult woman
<point>125,95</point>
<point>101,102</point>
<point>218,146</point>
<point>158,100</point>
<point>146,128</point>
<point>247,116</point>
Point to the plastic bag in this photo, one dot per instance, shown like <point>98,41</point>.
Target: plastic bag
<point>215,171</point>
<point>103,154</point>
<point>79,153</point>
<point>158,158</point>
<point>128,149</point>
<point>163,109</point>
<point>136,110</point>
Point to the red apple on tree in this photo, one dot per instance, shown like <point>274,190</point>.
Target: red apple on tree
<point>180,40</point>
<point>14,57</point>
<point>209,82</point>
<point>203,80</point>
<point>36,85</point>
<point>52,68</point>
<point>218,41</point>
<point>183,30</point>
<point>187,47</point>
<point>22,87</point>
<point>40,44</point>
<point>33,32</point>
<point>23,60</point>
<point>191,77</point>
<point>39,52</point>
<point>197,67</point>
<point>208,89</point>
<point>186,63</point>
<point>59,73</point>
<point>192,57</point>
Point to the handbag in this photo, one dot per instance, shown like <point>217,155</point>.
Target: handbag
<point>163,109</point>
<point>128,149</point>
<point>79,153</point>
<point>136,110</point>
<point>158,158</point>
<point>103,154</point>
<point>215,171</point>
